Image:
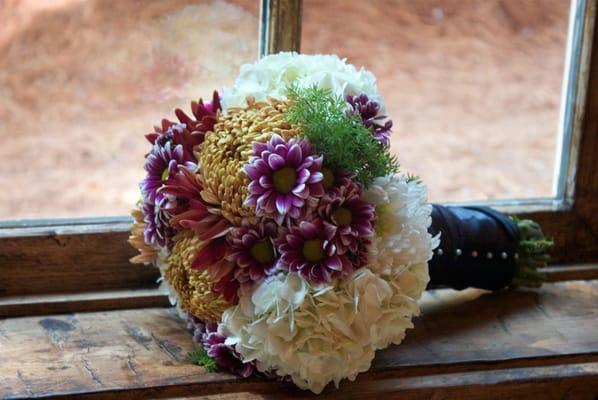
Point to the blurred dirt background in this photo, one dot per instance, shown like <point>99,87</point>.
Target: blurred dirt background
<point>473,87</point>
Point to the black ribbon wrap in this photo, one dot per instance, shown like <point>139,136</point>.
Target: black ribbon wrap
<point>478,248</point>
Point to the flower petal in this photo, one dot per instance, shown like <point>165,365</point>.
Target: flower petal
<point>294,155</point>
<point>334,263</point>
<point>283,204</point>
<point>275,161</point>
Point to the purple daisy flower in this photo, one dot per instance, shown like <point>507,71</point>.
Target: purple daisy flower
<point>157,231</point>
<point>285,178</point>
<point>368,112</point>
<point>225,355</point>
<point>335,178</point>
<point>309,250</point>
<point>251,249</point>
<point>347,215</point>
<point>206,334</point>
<point>161,164</point>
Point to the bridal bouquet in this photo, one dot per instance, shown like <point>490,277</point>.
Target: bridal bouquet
<point>282,227</point>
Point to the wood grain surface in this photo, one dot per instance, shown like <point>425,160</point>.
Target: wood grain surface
<point>462,339</point>
<point>546,383</point>
<point>17,306</point>
<point>49,304</point>
<point>58,260</point>
<point>284,25</point>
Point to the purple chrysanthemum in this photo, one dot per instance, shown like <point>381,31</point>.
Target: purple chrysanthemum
<point>347,215</point>
<point>361,257</point>
<point>192,129</point>
<point>368,111</point>
<point>251,249</point>
<point>335,178</point>
<point>173,133</point>
<point>206,334</point>
<point>160,164</point>
<point>158,230</point>
<point>309,250</point>
<point>285,177</point>
<point>225,356</point>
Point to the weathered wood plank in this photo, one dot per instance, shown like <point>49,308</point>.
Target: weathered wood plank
<point>18,306</point>
<point>576,231</point>
<point>66,262</point>
<point>573,231</point>
<point>476,325</point>
<point>56,260</point>
<point>572,272</point>
<point>283,29</point>
<point>143,352</point>
<point>576,381</point>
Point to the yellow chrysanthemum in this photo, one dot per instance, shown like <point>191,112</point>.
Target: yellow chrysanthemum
<point>147,253</point>
<point>194,287</point>
<point>226,150</point>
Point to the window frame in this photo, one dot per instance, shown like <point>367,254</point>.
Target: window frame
<point>51,249</point>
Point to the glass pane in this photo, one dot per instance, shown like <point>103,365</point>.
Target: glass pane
<point>473,86</point>
<point>82,81</point>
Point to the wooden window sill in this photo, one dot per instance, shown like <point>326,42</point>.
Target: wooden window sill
<point>469,343</point>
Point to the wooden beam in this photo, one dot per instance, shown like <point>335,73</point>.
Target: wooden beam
<point>554,382</point>
<point>513,336</point>
<point>575,231</point>
<point>70,259</point>
<point>282,30</point>
<point>19,306</point>
<point>29,305</point>
<point>571,272</point>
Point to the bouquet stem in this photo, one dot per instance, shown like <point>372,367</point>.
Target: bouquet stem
<point>533,253</point>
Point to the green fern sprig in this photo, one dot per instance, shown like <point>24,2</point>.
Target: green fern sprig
<point>343,140</point>
<point>199,356</point>
<point>412,178</point>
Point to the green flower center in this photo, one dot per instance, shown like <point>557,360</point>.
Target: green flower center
<point>328,180</point>
<point>284,179</point>
<point>164,174</point>
<point>313,250</point>
<point>262,251</point>
<point>342,216</point>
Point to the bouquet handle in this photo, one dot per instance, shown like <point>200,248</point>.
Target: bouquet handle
<point>483,248</point>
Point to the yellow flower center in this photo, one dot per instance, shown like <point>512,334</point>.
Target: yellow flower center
<point>262,251</point>
<point>328,180</point>
<point>383,212</point>
<point>165,174</point>
<point>342,216</point>
<point>313,250</point>
<point>284,179</point>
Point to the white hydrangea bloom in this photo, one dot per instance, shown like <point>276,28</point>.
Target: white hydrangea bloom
<point>270,76</point>
<point>403,216</point>
<point>318,335</point>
